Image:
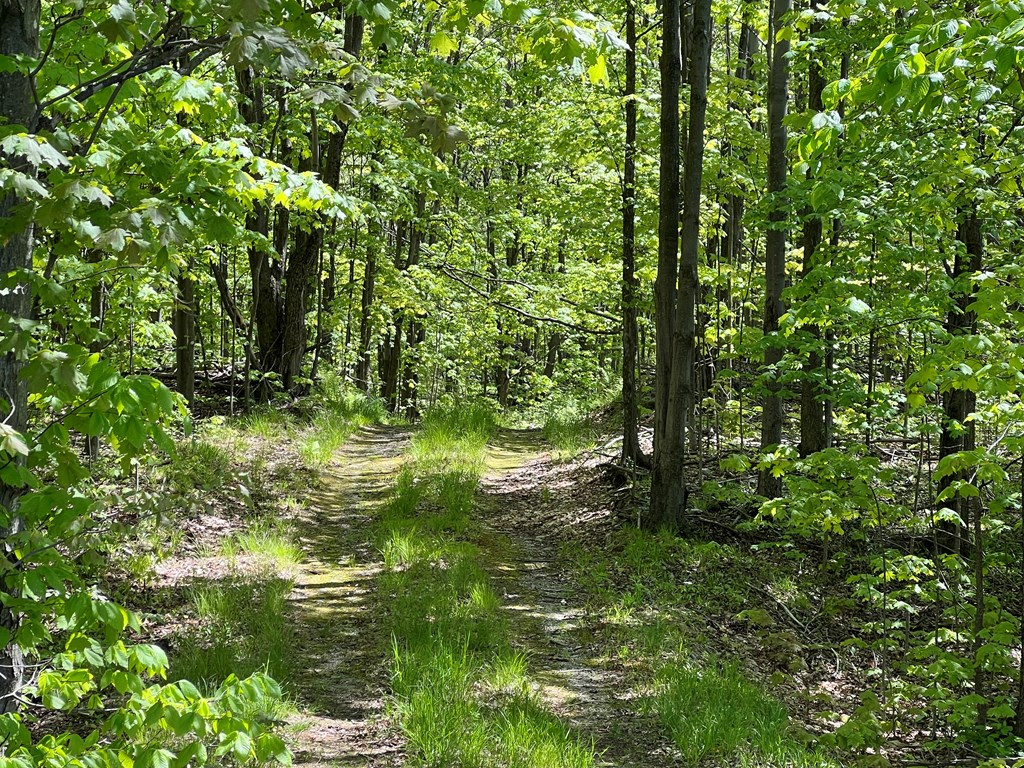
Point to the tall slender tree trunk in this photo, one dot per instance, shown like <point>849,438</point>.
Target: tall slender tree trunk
<point>631,452</point>
<point>813,435</point>
<point>19,36</point>
<point>366,303</point>
<point>391,350</point>
<point>830,337</point>
<point>733,236</point>
<point>184,323</point>
<point>414,333</point>
<point>775,248</point>
<point>265,267</point>
<point>957,403</point>
<point>302,266</point>
<point>96,311</point>
<point>302,263</point>
<point>664,507</point>
<point>682,382</point>
<point>682,390</point>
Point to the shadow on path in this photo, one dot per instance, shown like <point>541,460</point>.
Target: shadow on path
<point>549,617</point>
<point>340,674</point>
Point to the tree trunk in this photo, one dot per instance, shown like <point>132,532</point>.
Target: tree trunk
<point>813,435</point>
<point>267,302</point>
<point>391,351</point>
<point>19,36</point>
<point>302,263</point>
<point>219,270</point>
<point>96,311</point>
<point>683,383</point>
<point>414,333</point>
<point>366,303</point>
<point>775,249</point>
<point>664,508</point>
<point>957,404</point>
<point>631,452</point>
<point>184,323</point>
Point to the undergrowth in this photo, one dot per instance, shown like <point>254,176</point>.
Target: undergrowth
<point>659,596</point>
<point>248,471</point>
<point>243,628</point>
<point>713,712</point>
<point>460,692</point>
<point>341,410</point>
<point>572,425</point>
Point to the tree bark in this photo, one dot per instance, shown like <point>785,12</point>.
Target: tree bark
<point>813,435</point>
<point>391,351</point>
<point>775,249</point>
<point>19,36</point>
<point>264,266</point>
<point>631,452</point>
<point>366,302</point>
<point>302,263</point>
<point>957,403</point>
<point>664,509</point>
<point>414,333</point>
<point>683,385</point>
<point>184,323</point>
<point>679,417</point>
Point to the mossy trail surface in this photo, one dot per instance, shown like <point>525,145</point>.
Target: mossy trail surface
<point>339,673</point>
<point>549,620</point>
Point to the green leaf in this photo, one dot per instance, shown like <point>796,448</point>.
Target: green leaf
<point>442,44</point>
<point>598,71</point>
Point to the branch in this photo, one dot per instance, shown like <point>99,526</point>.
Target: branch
<point>145,61</point>
<point>228,302</point>
<point>528,286</point>
<point>523,312</point>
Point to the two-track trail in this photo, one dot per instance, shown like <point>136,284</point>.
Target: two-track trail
<point>341,652</point>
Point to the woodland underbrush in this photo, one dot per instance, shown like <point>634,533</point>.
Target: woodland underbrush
<point>213,557</point>
<point>461,693</point>
<point>671,611</point>
<point>573,423</point>
<point>834,602</point>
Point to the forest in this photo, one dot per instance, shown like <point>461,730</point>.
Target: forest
<point>497,384</point>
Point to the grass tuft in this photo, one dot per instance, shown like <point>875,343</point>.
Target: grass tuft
<point>270,541</point>
<point>344,410</point>
<point>197,464</point>
<point>243,629</point>
<point>715,712</point>
<point>569,431</point>
<point>268,423</point>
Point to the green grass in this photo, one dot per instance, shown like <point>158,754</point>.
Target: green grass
<point>461,694</point>
<point>454,439</point>
<point>198,464</point>
<point>573,424</point>
<point>342,412</point>
<point>242,629</point>
<point>658,593</point>
<point>569,431</point>
<point>269,423</point>
<point>270,541</point>
<point>715,712</point>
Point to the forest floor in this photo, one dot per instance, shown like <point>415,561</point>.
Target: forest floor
<point>444,596</point>
<point>341,649</point>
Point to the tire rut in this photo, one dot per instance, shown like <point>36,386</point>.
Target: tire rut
<point>551,624</point>
<point>340,675</point>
